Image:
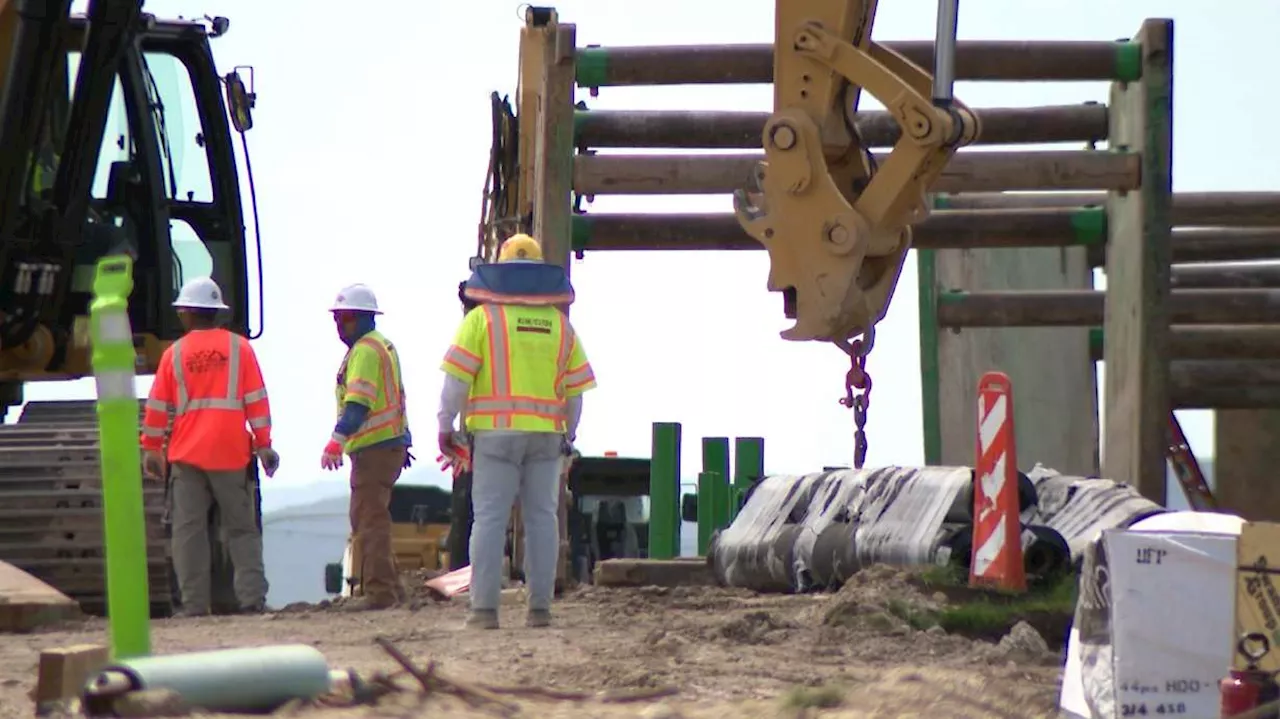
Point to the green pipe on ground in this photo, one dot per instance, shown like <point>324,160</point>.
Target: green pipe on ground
<point>664,491</point>
<point>123,517</point>
<point>255,679</point>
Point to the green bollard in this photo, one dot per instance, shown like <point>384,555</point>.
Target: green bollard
<point>748,466</point>
<point>721,500</point>
<point>664,491</point>
<point>715,458</point>
<point>123,521</point>
<point>709,491</point>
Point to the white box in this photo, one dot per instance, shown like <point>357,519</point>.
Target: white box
<point>1172,597</point>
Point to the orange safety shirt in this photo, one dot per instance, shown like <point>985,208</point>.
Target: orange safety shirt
<point>210,383</point>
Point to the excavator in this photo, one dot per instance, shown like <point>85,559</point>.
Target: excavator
<point>116,135</point>
<point>836,225</point>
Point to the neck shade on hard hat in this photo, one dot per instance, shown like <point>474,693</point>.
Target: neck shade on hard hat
<point>519,283</point>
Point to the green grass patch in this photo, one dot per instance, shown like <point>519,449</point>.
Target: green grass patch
<point>990,613</point>
<point>823,697</point>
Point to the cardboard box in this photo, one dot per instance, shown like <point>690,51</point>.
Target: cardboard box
<point>1257,608</point>
<point>1172,597</point>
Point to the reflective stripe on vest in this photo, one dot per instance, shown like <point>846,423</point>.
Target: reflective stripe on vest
<point>501,404</point>
<point>393,415</point>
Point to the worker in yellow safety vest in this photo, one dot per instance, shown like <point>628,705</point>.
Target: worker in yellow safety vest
<point>518,371</point>
<point>373,430</point>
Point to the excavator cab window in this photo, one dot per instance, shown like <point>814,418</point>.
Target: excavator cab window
<point>167,177</point>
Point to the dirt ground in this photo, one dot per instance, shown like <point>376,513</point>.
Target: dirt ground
<point>719,652</point>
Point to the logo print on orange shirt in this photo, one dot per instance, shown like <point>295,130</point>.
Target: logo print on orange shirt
<point>205,361</point>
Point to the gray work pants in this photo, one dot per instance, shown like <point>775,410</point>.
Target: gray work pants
<point>194,492</point>
<point>507,465</point>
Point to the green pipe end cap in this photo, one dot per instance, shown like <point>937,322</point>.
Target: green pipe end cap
<point>580,232</point>
<point>1090,226</point>
<point>592,67</point>
<point>1128,61</point>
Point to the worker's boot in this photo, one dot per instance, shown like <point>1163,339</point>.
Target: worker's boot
<point>538,618</point>
<point>482,619</point>
<point>256,608</point>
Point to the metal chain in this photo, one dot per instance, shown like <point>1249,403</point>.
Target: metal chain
<point>858,379</point>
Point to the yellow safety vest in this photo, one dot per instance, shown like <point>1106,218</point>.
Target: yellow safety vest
<point>521,363</point>
<point>370,375</point>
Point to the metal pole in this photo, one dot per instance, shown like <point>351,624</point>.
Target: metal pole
<point>664,491</point>
<point>123,517</point>
<point>944,53</point>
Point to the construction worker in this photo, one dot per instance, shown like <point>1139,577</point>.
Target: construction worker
<point>518,371</point>
<point>460,510</point>
<point>210,381</point>
<point>373,430</point>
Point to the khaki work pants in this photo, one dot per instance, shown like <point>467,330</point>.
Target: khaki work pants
<point>374,472</point>
<point>195,491</point>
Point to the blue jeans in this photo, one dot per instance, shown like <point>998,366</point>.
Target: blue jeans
<point>507,465</point>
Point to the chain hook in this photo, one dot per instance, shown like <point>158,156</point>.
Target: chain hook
<point>857,378</point>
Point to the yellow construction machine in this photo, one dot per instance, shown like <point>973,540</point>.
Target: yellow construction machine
<point>836,224</point>
<point>116,135</point>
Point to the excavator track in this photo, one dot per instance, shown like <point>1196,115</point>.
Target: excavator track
<point>51,506</point>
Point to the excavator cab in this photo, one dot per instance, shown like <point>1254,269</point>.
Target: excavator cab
<point>117,134</point>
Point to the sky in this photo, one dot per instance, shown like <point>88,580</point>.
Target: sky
<point>370,150</point>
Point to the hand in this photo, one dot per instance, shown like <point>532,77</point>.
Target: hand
<point>445,441</point>
<point>153,465</point>
<point>270,460</point>
<point>331,459</point>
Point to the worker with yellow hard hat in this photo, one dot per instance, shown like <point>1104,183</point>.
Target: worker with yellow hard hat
<point>517,370</point>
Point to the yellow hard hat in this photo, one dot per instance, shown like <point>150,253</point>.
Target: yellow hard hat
<point>520,247</point>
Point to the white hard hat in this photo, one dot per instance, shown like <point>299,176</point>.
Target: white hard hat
<point>358,298</point>
<point>201,293</point>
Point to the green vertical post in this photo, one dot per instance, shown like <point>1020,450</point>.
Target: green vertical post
<point>664,491</point>
<point>123,520</point>
<point>930,367</point>
<point>748,466</point>
<point>715,458</point>
<point>711,487</point>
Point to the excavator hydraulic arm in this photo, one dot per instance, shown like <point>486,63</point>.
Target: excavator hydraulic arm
<point>837,228</point>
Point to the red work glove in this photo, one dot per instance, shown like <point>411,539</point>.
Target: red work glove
<point>331,459</point>
<point>454,456</point>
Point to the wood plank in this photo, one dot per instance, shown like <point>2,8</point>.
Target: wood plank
<point>27,602</point>
<point>1138,261</point>
<point>553,173</point>
<point>653,572</point>
<point>63,671</point>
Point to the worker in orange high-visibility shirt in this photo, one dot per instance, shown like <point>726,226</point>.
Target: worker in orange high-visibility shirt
<point>211,384</point>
